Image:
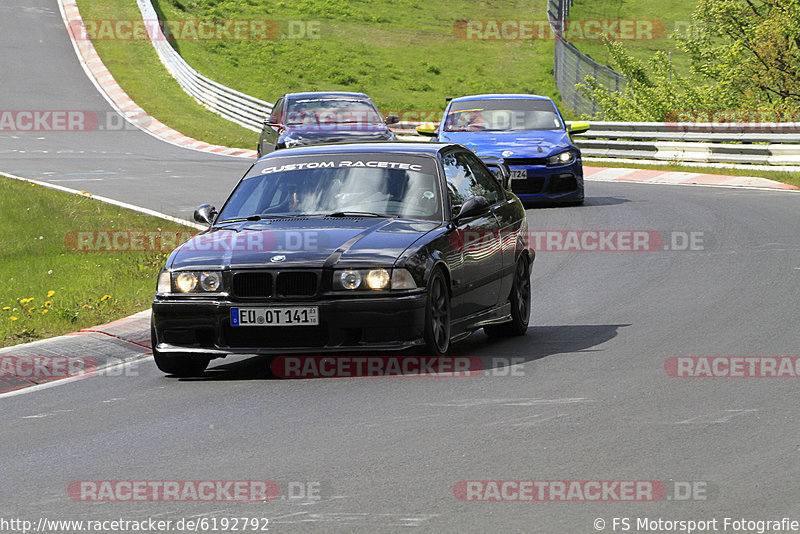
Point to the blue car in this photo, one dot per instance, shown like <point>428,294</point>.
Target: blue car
<point>528,133</point>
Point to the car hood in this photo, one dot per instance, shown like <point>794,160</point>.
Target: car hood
<point>337,133</point>
<point>524,144</point>
<point>308,243</point>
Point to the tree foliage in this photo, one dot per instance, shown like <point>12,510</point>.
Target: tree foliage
<point>745,55</point>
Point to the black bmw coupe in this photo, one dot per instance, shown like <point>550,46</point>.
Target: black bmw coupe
<point>343,248</point>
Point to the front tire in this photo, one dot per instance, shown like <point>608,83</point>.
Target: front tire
<point>437,315</point>
<point>520,299</point>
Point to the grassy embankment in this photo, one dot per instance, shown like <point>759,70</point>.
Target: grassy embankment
<point>50,289</point>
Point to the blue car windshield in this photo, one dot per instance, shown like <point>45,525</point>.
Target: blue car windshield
<point>314,112</point>
<point>502,115</point>
<point>380,185</point>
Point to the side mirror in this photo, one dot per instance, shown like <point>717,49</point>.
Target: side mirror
<point>578,127</point>
<point>473,206</point>
<point>391,119</point>
<point>272,120</point>
<point>205,214</point>
<point>427,129</point>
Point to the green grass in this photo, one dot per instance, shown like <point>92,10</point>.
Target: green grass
<point>36,258</point>
<point>667,16</point>
<point>404,53</point>
<point>136,67</point>
<point>792,178</point>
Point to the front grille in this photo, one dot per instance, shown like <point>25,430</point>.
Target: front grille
<point>562,183</point>
<point>525,161</point>
<point>296,284</point>
<point>531,186</point>
<point>252,285</point>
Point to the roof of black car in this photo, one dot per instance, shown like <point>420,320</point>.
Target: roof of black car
<point>422,149</point>
<point>325,94</point>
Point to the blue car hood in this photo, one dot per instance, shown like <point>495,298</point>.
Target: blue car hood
<point>523,144</point>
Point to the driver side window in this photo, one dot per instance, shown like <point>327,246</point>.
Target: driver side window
<point>466,177</point>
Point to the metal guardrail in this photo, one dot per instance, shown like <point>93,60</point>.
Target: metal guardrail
<point>776,144</point>
<point>682,142</point>
<point>231,104</point>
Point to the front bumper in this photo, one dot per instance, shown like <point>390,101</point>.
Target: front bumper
<point>345,325</point>
<point>549,185</point>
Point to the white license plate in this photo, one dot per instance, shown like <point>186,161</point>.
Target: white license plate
<point>519,174</point>
<point>278,316</point>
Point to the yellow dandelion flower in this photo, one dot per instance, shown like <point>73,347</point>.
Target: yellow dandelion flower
<point>105,297</point>
<point>85,306</point>
<point>45,311</point>
<point>6,307</point>
<point>12,318</point>
<point>48,304</point>
<point>50,293</point>
<point>30,310</point>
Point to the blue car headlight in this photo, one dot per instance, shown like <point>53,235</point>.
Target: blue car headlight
<point>562,158</point>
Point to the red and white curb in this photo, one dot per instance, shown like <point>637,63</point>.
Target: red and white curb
<point>121,342</point>
<point>119,100</point>
<point>651,176</point>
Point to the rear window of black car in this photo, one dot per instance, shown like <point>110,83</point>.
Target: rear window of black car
<point>383,184</point>
<point>331,111</point>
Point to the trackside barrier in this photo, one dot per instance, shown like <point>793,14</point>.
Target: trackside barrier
<point>231,104</point>
<point>677,142</point>
<point>571,67</point>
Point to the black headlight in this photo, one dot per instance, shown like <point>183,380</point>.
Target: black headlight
<point>372,279</point>
<point>190,282</point>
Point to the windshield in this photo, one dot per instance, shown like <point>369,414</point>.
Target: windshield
<point>385,185</point>
<point>502,115</point>
<point>313,112</point>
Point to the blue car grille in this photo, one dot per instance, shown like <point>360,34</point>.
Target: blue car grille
<point>531,186</point>
<point>525,161</point>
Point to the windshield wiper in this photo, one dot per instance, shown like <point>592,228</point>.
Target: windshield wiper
<point>263,216</point>
<point>240,219</point>
<point>355,214</point>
